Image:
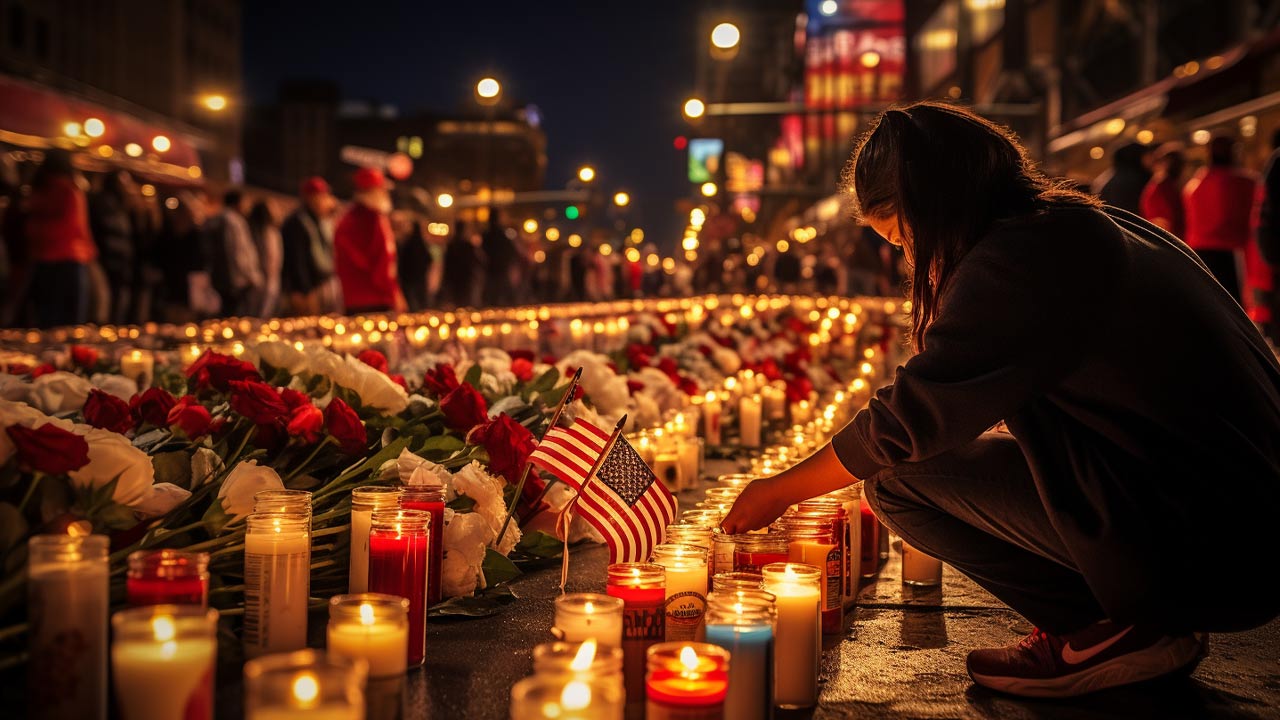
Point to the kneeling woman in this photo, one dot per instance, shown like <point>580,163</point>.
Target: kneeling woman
<point>1143,409</point>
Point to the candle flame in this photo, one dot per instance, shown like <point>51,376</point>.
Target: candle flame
<point>366,614</point>
<point>163,628</point>
<point>135,355</point>
<point>688,658</point>
<point>737,607</point>
<point>711,395</point>
<point>305,689</point>
<point>585,655</point>
<point>576,696</point>
<point>789,573</point>
<point>588,607</point>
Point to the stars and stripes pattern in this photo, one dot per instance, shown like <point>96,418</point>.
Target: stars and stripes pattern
<point>624,501</point>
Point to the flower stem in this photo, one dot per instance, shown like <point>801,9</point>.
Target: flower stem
<point>31,490</point>
<point>319,446</point>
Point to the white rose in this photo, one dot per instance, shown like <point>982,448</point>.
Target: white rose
<point>486,490</point>
<point>283,355</point>
<point>726,360</point>
<point>15,413</point>
<point>498,384</point>
<point>13,387</point>
<point>118,385</point>
<point>59,392</point>
<point>465,538</point>
<point>113,457</point>
<point>246,479</point>
<point>645,412</point>
<point>413,469</point>
<point>204,464</point>
<point>330,365</point>
<point>375,388</point>
<point>493,360</point>
<point>159,500</point>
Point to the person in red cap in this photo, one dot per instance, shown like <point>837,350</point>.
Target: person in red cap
<point>365,248</point>
<point>308,281</point>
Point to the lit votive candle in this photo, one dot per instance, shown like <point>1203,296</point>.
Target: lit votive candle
<point>304,685</point>
<point>742,623</point>
<point>690,459</point>
<point>920,569</point>
<point>589,616</point>
<point>687,681</point>
<point>642,589</point>
<point>162,661</point>
<point>398,549</point>
<point>711,409</point>
<point>585,661</point>
<point>798,634</point>
<point>373,627</point>
<point>565,697</point>
<point>364,502</point>
<point>139,366</point>
<point>277,582</point>
<point>160,577</point>
<point>282,501</point>
<point>686,587</point>
<point>749,421</point>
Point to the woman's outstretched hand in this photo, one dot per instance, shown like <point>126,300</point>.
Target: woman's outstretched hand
<point>760,503</point>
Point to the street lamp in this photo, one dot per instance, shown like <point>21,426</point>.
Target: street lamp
<point>93,127</point>
<point>488,90</point>
<point>725,36</point>
<point>694,108</point>
<point>586,173</point>
<point>444,200</point>
<point>215,102</point>
<point>709,189</point>
<point>829,7</point>
<point>161,143</point>
<point>621,199</point>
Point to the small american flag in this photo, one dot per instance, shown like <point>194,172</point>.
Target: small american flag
<point>626,503</point>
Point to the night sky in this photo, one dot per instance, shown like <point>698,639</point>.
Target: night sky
<point>608,77</point>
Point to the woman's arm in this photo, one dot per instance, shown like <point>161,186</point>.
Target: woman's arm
<point>764,500</point>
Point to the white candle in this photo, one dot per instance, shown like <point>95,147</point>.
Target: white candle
<point>163,659</point>
<point>364,501</point>
<point>277,577</point>
<point>749,420</point>
<point>566,697</point>
<point>690,458</point>
<point>138,365</point>
<point>775,400</point>
<point>304,685</point>
<point>589,616</point>
<point>918,568</point>
<point>798,636</point>
<point>686,571</point>
<point>372,627</point>
<point>667,467</point>
<point>711,410</point>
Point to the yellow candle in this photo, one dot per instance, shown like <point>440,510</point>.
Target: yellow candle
<point>798,637</point>
<point>163,659</point>
<point>686,571</point>
<point>372,627</point>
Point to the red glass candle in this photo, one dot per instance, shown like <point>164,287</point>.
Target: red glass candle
<point>168,577</point>
<point>398,566</point>
<point>643,590</point>
<point>430,499</point>
<point>755,551</point>
<point>686,681</point>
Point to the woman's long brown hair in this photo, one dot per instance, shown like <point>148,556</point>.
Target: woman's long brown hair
<point>950,175</point>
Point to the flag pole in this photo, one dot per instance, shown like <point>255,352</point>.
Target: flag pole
<point>564,520</point>
<point>524,474</point>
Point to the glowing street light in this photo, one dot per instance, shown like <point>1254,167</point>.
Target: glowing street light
<point>161,143</point>
<point>214,102</point>
<point>586,173</point>
<point>133,150</point>
<point>709,189</point>
<point>71,129</point>
<point>829,7</point>
<point>725,36</point>
<point>93,127</point>
<point>621,199</point>
<point>694,108</point>
<point>444,200</point>
<point>531,226</point>
<point>488,90</point>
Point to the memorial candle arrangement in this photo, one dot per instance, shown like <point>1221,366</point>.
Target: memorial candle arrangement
<point>372,627</point>
<point>168,577</point>
<point>162,661</point>
<point>742,623</point>
<point>686,570</point>
<point>797,635</point>
<point>589,616</point>
<point>364,502</point>
<point>565,697</point>
<point>277,582</point>
<point>67,593</point>
<point>398,547</point>
<point>642,589</point>
<point>687,681</point>
<point>429,499</point>
<point>304,685</point>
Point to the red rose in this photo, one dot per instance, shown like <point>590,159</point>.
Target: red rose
<point>216,370</point>
<point>373,359</point>
<point>522,369</point>
<point>152,406</point>
<point>634,386</point>
<point>639,356</point>
<point>523,354</point>
<point>106,411</point>
<point>49,449</point>
<point>306,422</point>
<point>257,401</point>
<point>17,369</point>
<point>508,443</point>
<point>42,369</point>
<point>769,368</point>
<point>84,356</point>
<point>294,399</point>
<point>441,380</point>
<point>799,389</point>
<point>464,408</point>
<point>345,427</point>
<point>796,360</point>
<point>399,380</point>
<point>668,366</point>
<point>689,386</point>
<point>549,359</point>
<point>189,416</point>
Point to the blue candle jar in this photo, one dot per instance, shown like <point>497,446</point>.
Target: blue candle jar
<point>741,622</point>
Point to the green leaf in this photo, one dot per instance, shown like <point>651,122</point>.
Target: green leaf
<point>472,377</point>
<point>446,444</point>
<point>462,504</point>
<point>215,518</point>
<point>497,569</point>
<point>540,544</point>
<point>173,467</point>
<point>545,381</point>
<point>117,517</point>
<point>485,604</point>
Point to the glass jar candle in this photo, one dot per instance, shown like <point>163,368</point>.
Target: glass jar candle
<point>373,627</point>
<point>738,480</point>
<point>398,566</point>
<point>869,555</point>
<point>705,518</point>
<point>162,661</point>
<point>686,570</point>
<point>737,581</point>
<point>755,550</point>
<point>666,465</point>
<point>277,582</point>
<point>797,633</point>
<point>430,499</point>
<point>565,697</point>
<point>642,587</point>
<point>364,502</point>
<point>749,421</point>
<point>168,577</point>
<point>689,450</point>
<point>304,685</point>
<point>688,534</point>
<point>585,661</point>
<point>744,627</point>
<point>919,569</point>
<point>686,681</point>
<point>814,542</point>
<point>67,601</point>
<point>849,498</point>
<point>282,501</point>
<point>589,616</point>
<point>722,494</point>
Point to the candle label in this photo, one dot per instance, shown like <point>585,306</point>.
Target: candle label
<point>643,623</point>
<point>684,615</point>
<point>831,593</point>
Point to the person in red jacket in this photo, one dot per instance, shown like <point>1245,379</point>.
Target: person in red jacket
<point>1162,197</point>
<point>59,243</point>
<point>1218,202</point>
<point>365,249</point>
